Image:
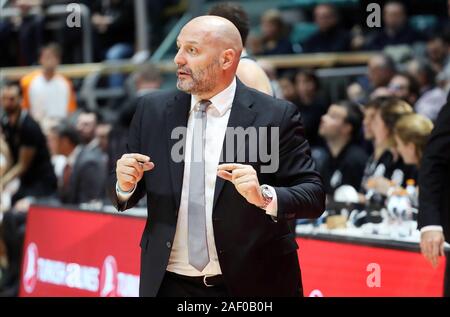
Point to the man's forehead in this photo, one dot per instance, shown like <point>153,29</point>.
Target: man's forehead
<point>189,37</point>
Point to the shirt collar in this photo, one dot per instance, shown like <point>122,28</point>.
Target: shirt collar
<point>222,101</point>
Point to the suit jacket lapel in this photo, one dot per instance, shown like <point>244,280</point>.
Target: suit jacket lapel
<point>177,112</point>
<point>241,116</point>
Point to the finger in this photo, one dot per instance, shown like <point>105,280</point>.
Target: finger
<point>242,172</point>
<point>225,175</point>
<point>435,253</point>
<point>442,249</point>
<point>129,179</point>
<point>229,167</point>
<point>244,179</point>
<point>130,171</point>
<point>137,156</point>
<point>148,166</point>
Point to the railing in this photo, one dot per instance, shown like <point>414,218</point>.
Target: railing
<point>167,66</point>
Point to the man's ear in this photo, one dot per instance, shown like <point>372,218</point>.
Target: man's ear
<point>227,58</point>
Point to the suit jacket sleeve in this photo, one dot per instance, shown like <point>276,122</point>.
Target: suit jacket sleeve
<point>133,146</point>
<point>300,192</point>
<point>434,170</point>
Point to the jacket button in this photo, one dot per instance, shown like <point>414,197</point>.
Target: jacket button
<point>168,244</point>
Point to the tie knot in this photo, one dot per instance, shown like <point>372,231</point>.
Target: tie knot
<point>203,105</point>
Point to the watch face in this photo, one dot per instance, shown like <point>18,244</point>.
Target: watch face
<point>267,193</point>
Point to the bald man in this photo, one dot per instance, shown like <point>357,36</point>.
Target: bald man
<point>218,211</point>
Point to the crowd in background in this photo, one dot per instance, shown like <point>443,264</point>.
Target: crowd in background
<point>372,140</point>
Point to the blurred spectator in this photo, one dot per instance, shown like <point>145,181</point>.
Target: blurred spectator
<point>433,96</point>
<point>405,87</point>
<point>287,87</point>
<point>85,171</point>
<point>113,24</point>
<point>47,94</point>
<point>310,104</point>
<point>411,135</point>
<point>437,52</point>
<point>385,168</point>
<point>86,125</point>
<point>370,109</point>
<point>31,158</point>
<point>30,29</point>
<point>380,70</point>
<point>423,73</point>
<point>249,72</point>
<point>356,93</point>
<point>341,161</point>
<point>395,29</point>
<point>146,79</point>
<point>274,39</point>
<point>330,37</point>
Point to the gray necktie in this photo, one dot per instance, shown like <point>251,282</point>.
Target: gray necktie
<point>197,242</point>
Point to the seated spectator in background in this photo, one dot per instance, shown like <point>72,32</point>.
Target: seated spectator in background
<point>433,96</point>
<point>113,26</point>
<point>356,93</point>
<point>85,171</point>
<point>438,52</point>
<point>46,94</point>
<point>341,161</point>
<point>423,73</point>
<point>86,125</point>
<point>274,38</point>
<point>28,145</point>
<point>330,37</point>
<point>380,70</point>
<point>369,111</point>
<point>310,104</point>
<point>248,71</point>
<point>385,168</point>
<point>411,135</point>
<point>287,87</point>
<point>405,87</point>
<point>146,79</point>
<point>395,29</point>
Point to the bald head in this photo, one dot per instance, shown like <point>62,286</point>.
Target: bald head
<point>217,30</point>
<point>209,49</point>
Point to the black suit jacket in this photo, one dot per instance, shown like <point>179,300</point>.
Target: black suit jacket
<point>434,176</point>
<point>257,256</point>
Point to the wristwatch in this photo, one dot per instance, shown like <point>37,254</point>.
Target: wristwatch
<point>267,196</point>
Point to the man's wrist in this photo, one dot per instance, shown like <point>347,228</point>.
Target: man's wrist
<point>124,192</point>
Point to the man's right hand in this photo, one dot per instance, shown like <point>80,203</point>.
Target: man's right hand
<point>130,168</point>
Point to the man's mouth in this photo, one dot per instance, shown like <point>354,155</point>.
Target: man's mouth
<point>183,73</point>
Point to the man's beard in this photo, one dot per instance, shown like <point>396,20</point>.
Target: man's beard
<point>202,81</point>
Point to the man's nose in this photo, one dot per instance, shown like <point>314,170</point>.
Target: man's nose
<point>179,59</point>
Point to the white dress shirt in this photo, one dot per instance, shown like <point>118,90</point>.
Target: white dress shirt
<point>217,115</point>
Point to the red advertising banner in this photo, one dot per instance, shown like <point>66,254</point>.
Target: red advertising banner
<point>345,269</point>
<point>82,253</point>
<point>78,253</point>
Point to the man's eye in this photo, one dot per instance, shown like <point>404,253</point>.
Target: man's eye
<point>192,50</point>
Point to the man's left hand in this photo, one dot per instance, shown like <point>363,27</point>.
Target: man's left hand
<point>245,180</point>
